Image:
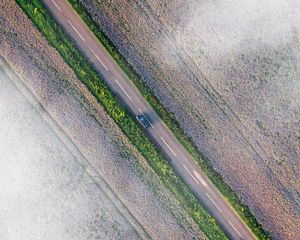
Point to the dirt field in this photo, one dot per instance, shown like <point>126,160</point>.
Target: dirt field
<point>230,73</point>
<point>133,202</point>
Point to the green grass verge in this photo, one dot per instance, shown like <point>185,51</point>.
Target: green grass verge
<point>171,122</point>
<point>46,24</point>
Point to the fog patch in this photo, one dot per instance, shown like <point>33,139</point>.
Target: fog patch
<point>223,26</point>
<point>46,193</point>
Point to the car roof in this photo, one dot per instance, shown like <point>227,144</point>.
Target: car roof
<point>143,119</point>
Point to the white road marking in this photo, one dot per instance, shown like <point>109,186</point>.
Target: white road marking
<point>146,118</point>
<point>99,59</point>
<point>56,5</point>
<point>190,174</point>
<point>200,178</point>
<point>168,146</point>
<point>76,30</point>
<point>213,202</point>
<point>235,229</point>
<point>123,89</point>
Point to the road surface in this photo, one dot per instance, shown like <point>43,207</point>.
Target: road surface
<point>179,158</point>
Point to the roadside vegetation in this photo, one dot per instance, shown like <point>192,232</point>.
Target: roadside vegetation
<point>171,122</point>
<point>43,20</point>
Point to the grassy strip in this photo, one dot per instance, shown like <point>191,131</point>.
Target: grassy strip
<point>36,11</point>
<point>171,122</point>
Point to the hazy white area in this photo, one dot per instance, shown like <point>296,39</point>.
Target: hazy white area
<point>224,26</point>
<point>45,192</point>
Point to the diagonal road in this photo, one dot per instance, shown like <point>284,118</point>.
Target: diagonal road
<point>164,139</point>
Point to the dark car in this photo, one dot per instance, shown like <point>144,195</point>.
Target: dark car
<point>143,120</point>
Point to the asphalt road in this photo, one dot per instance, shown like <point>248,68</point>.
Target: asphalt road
<point>184,164</point>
